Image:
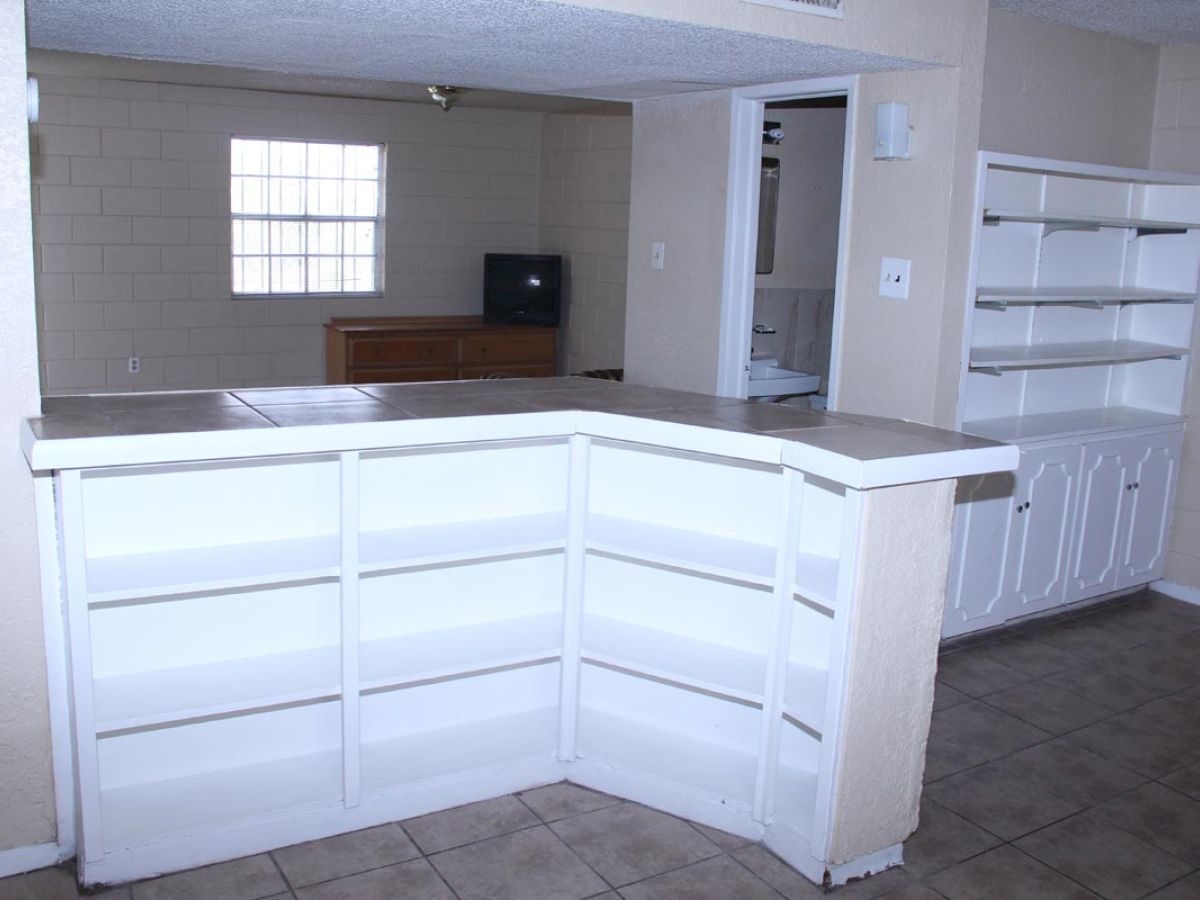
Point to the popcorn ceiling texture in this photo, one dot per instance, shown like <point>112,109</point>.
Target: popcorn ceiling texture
<point>516,45</point>
<point>26,791</point>
<point>1152,21</point>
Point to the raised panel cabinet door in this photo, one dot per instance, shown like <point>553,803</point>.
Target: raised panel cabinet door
<point>1042,523</point>
<point>983,512</point>
<point>1153,463</point>
<point>1097,554</point>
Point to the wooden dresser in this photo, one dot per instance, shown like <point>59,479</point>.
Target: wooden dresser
<point>435,348</point>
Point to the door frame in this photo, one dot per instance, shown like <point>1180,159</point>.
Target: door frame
<point>741,226</point>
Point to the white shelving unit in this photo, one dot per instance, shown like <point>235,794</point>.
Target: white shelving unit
<point>295,646</point>
<point>1079,330</point>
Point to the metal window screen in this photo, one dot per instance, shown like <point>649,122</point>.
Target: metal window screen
<point>307,217</point>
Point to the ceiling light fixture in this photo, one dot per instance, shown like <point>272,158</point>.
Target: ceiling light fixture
<point>444,95</point>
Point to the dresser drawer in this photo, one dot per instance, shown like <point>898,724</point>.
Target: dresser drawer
<point>409,373</point>
<point>508,370</point>
<point>506,348</point>
<point>401,351</point>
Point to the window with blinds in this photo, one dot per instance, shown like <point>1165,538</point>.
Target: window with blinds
<point>307,217</point>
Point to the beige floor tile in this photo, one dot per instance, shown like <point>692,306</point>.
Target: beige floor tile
<point>995,799</point>
<point>249,878</point>
<point>528,865</point>
<point>467,824</point>
<point>414,880</point>
<point>943,839</point>
<point>778,874</point>
<point>558,801</point>
<point>1006,874</point>
<point>345,854</point>
<point>719,878</point>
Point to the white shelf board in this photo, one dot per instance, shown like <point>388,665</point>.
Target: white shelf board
<point>456,541</point>
<point>147,699</point>
<point>716,668</point>
<point>461,748</point>
<point>1030,356</point>
<point>144,812</point>
<point>1044,426</point>
<point>796,798</point>
<point>817,579</point>
<point>1083,220</point>
<point>695,551</point>
<point>704,767</point>
<point>1026,296</point>
<point>434,655</point>
<point>805,695</point>
<point>211,568</point>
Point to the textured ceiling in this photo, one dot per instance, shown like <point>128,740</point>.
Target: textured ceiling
<point>507,45</point>
<point>1152,21</point>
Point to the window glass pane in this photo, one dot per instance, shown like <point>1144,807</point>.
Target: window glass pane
<point>279,193</point>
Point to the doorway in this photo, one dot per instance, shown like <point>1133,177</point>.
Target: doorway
<point>785,305</point>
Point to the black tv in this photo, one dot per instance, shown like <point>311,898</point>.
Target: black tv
<point>521,288</point>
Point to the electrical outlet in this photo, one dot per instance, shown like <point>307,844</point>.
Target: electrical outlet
<point>894,275</point>
<point>658,254</point>
<point>135,365</point>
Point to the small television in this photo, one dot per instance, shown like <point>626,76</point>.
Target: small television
<point>521,289</point>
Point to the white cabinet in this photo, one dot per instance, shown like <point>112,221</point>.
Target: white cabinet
<point>1078,520</point>
<point>1077,349</point>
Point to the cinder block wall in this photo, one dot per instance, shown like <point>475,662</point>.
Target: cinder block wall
<point>585,217</point>
<point>131,202</point>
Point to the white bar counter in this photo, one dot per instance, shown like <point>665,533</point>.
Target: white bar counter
<point>296,612</point>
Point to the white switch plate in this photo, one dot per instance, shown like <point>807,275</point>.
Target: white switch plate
<point>894,275</point>
<point>658,253</point>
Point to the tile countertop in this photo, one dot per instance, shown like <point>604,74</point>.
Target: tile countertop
<point>139,428</point>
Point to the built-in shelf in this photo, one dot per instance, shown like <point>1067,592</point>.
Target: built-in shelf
<point>702,766</point>
<point>211,568</point>
<point>695,551</point>
<point>149,810</point>
<point>1087,353</point>
<point>805,696</point>
<point>1068,222</point>
<point>483,743</point>
<point>437,655</point>
<point>1000,297</point>
<point>1072,423</point>
<point>162,697</point>
<point>817,579</point>
<point>713,668</point>
<point>423,545</point>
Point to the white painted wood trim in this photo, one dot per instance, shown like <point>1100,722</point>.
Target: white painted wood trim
<point>1177,591</point>
<point>741,230</point>
<point>972,277</point>
<point>574,569</point>
<point>349,581</point>
<point>54,628</point>
<point>1116,173</point>
<point>871,864</point>
<point>26,859</point>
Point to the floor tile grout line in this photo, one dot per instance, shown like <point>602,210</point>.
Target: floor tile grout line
<point>282,874</point>
<point>759,877</point>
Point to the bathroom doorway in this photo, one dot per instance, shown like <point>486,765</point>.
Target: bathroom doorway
<point>796,250</point>
<point>785,241</point>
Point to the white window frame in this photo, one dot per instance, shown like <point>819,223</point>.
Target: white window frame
<point>380,221</point>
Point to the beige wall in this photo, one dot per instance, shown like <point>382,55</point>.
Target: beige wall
<point>677,196</point>
<point>132,195</point>
<point>810,197</point>
<point>584,215</point>
<point>1177,148</point>
<point>26,791</point>
<point>1065,93</point>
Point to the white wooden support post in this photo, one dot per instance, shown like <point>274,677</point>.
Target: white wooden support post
<point>575,556</point>
<point>351,726</point>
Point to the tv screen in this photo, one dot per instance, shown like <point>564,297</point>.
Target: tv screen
<point>521,288</point>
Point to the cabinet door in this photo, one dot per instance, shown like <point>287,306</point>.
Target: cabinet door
<point>1102,499</point>
<point>1041,527</point>
<point>1153,467</point>
<point>983,513</point>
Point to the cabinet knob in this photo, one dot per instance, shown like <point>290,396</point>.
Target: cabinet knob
<point>1136,485</point>
<point>1129,487</point>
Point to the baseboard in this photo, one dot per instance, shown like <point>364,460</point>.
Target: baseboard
<point>26,859</point>
<point>1177,591</point>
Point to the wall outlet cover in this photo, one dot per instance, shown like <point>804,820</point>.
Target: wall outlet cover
<point>658,255</point>
<point>894,275</point>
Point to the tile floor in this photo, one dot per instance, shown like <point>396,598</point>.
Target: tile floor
<point>1063,763</point>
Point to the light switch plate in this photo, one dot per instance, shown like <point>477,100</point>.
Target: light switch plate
<point>658,254</point>
<point>894,275</point>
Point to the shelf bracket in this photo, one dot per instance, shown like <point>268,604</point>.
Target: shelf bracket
<point>988,370</point>
<point>1142,232</point>
<point>1050,227</point>
<point>992,304</point>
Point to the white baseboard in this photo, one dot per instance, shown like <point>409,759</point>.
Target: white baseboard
<point>26,859</point>
<point>1177,591</point>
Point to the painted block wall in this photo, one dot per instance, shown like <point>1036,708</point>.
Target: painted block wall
<point>584,215</point>
<point>26,790</point>
<point>131,183</point>
<point>1176,147</point>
